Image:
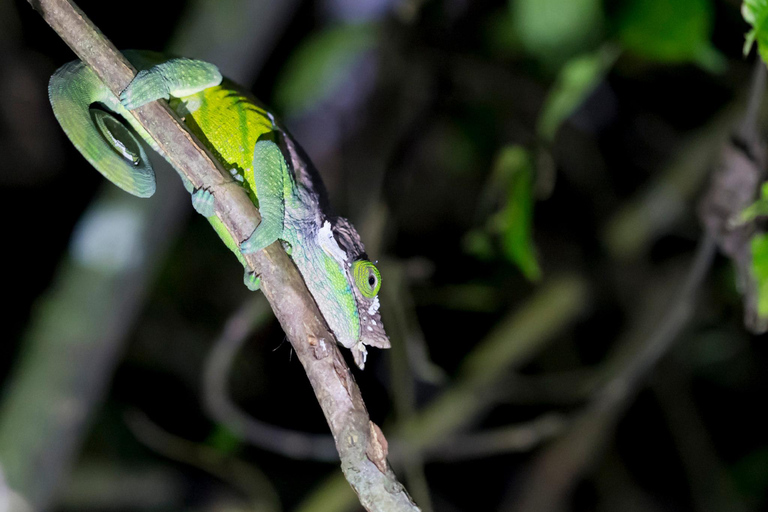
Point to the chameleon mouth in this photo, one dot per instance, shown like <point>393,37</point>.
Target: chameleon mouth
<point>372,329</point>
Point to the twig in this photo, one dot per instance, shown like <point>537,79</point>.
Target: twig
<point>290,443</point>
<point>361,446</point>
<point>249,479</point>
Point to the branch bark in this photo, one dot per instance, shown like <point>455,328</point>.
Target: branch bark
<point>362,447</point>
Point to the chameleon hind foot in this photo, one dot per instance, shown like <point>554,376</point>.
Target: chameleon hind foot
<point>203,202</point>
<point>175,77</point>
<point>251,280</point>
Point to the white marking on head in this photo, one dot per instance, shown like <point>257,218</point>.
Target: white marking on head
<point>329,244</point>
<point>373,322</point>
<point>374,307</point>
<point>370,329</point>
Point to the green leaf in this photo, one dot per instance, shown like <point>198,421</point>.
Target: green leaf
<point>514,222</point>
<point>321,64</point>
<point>755,12</point>
<point>576,80</point>
<point>671,31</point>
<point>757,209</point>
<point>759,270</point>
<point>554,30</point>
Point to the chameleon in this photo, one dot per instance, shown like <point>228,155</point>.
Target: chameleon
<point>261,156</point>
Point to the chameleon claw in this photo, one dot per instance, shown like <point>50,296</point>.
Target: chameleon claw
<point>251,281</point>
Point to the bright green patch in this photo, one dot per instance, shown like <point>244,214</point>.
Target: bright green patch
<point>755,12</point>
<point>757,209</point>
<point>554,30</point>
<point>513,171</point>
<point>759,270</point>
<point>671,31</point>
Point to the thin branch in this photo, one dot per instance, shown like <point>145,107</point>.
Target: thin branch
<point>361,446</point>
<point>286,442</point>
<point>247,478</point>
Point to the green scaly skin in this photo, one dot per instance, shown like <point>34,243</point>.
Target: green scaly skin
<point>260,155</point>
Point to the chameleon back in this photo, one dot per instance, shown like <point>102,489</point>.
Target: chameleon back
<point>229,122</point>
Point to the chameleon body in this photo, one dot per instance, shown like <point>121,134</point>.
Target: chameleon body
<point>260,155</point>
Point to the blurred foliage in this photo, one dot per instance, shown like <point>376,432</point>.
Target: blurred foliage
<point>759,268</point>
<point>554,30</point>
<point>320,65</point>
<point>670,31</point>
<point>757,209</point>
<point>472,112</point>
<point>513,179</point>
<point>575,82</point>
<point>755,13</point>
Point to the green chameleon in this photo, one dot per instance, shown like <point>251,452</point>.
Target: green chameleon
<point>259,154</point>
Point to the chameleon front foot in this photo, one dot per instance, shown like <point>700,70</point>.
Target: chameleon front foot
<point>203,202</point>
<point>251,281</point>
<point>265,234</point>
<point>175,77</point>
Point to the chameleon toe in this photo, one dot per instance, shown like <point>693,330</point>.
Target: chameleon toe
<point>203,202</point>
<point>251,281</point>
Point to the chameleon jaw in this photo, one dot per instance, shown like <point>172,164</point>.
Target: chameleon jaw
<point>360,354</point>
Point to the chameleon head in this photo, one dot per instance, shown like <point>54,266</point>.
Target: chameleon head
<point>341,240</point>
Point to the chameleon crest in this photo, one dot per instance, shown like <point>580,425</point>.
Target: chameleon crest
<point>260,154</point>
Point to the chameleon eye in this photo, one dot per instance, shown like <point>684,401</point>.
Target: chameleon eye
<point>367,278</point>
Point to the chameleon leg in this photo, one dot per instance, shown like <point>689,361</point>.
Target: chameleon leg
<point>175,77</point>
<point>251,280</point>
<point>269,172</point>
<point>99,135</point>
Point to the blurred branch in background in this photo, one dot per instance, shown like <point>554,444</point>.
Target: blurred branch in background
<point>662,203</point>
<point>247,478</point>
<point>93,305</point>
<point>556,471</point>
<point>515,339</point>
<point>527,330</point>
<point>76,337</point>
<point>297,445</point>
<point>712,489</point>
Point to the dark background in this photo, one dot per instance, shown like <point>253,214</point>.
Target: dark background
<point>407,119</point>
